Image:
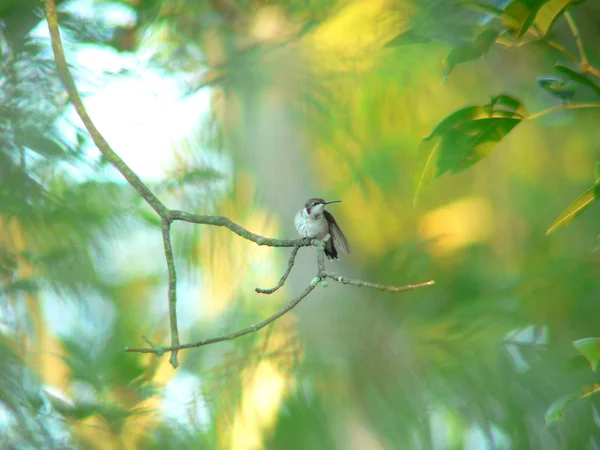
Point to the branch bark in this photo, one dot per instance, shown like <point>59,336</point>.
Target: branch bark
<point>228,337</point>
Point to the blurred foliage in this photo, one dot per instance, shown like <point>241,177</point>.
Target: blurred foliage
<point>333,97</point>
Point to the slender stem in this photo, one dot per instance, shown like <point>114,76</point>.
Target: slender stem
<point>561,107</point>
<point>227,337</point>
<point>381,287</point>
<point>166,233</point>
<point>320,258</point>
<point>285,275</point>
<point>564,51</point>
<point>575,32</point>
<point>592,71</point>
<point>152,348</point>
<point>103,146</point>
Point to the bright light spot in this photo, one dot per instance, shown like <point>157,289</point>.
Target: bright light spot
<point>183,401</point>
<point>260,407</point>
<point>457,225</point>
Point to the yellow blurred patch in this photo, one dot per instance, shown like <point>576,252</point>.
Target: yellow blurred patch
<point>269,24</point>
<point>259,407</point>
<point>378,225</point>
<point>230,263</point>
<point>358,29</point>
<point>457,225</point>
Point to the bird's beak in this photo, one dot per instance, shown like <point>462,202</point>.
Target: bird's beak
<point>333,201</point>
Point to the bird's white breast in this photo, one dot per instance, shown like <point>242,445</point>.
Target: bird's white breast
<point>313,227</point>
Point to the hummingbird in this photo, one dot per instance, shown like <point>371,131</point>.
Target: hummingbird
<point>315,222</point>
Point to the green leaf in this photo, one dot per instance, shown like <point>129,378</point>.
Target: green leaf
<point>464,138</point>
<point>200,175</point>
<point>557,87</point>
<point>520,14</point>
<point>508,102</point>
<point>43,144</point>
<point>576,208</point>
<point>460,55</point>
<point>549,12</point>
<point>482,8</point>
<point>474,50</point>
<point>194,176</point>
<point>407,38</point>
<point>27,285</point>
<point>149,216</point>
<point>597,172</point>
<point>556,411</point>
<point>578,77</point>
<point>577,362</point>
<point>59,404</point>
<point>590,348</point>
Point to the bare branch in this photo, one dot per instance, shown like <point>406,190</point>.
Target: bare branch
<point>172,295</point>
<point>575,32</point>
<point>221,221</point>
<point>227,337</point>
<point>285,275</point>
<point>103,146</point>
<point>561,107</point>
<point>381,287</point>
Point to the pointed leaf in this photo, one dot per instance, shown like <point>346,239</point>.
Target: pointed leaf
<point>42,144</point>
<point>464,138</point>
<point>407,38</point>
<point>27,285</point>
<point>482,8</point>
<point>556,411</point>
<point>578,77</point>
<point>577,362</point>
<point>557,87</point>
<point>200,175</point>
<point>460,55</point>
<point>508,102</point>
<point>468,52</point>
<point>149,216</point>
<point>59,404</point>
<point>576,208</point>
<point>520,14</point>
<point>549,12</point>
<point>590,348</point>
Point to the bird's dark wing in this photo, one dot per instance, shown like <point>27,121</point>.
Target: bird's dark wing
<point>336,232</point>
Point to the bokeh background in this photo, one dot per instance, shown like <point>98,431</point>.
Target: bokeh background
<point>246,109</point>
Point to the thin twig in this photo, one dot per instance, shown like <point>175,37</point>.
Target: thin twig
<point>575,32</point>
<point>227,337</point>
<point>561,107</point>
<point>320,258</point>
<point>285,275</point>
<point>564,51</point>
<point>380,287</point>
<point>166,233</point>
